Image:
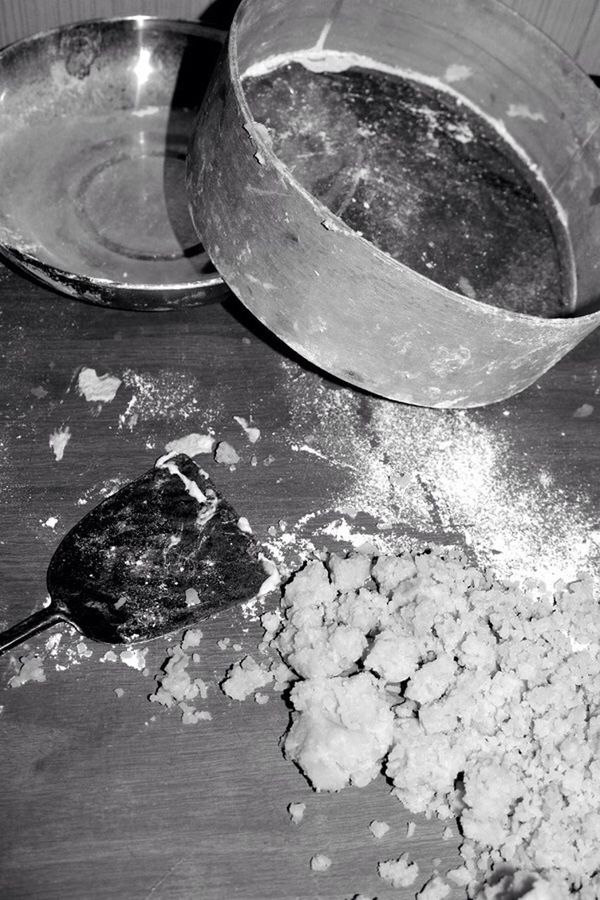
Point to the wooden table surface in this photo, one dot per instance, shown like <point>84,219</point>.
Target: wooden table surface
<point>114,797</point>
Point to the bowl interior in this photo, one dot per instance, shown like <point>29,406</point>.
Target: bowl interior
<point>95,120</point>
<point>485,55</point>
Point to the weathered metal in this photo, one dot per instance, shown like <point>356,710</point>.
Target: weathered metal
<point>329,292</point>
<point>95,119</point>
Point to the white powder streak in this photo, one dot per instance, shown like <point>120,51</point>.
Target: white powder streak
<point>423,476</point>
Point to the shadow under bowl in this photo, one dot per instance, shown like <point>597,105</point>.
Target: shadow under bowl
<point>95,121</point>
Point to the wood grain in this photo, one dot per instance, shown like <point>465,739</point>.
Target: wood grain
<point>19,19</point>
<point>588,54</point>
<point>565,23</point>
<point>573,25</point>
<point>105,797</point>
<point>113,797</point>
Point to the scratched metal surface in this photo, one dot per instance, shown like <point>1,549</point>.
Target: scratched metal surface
<point>423,177</point>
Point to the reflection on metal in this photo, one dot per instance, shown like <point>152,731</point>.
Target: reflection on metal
<point>94,127</point>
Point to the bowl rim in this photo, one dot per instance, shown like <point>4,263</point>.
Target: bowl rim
<point>219,35</point>
<point>65,275</point>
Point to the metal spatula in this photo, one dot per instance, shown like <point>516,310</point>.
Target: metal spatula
<point>161,554</point>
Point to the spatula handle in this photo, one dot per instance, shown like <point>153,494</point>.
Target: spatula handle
<point>37,621</point>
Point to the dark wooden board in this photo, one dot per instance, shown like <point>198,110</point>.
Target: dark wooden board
<point>98,800</point>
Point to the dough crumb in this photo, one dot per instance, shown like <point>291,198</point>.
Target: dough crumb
<point>58,441</point>
<point>175,685</point>
<point>399,873</point>
<point>296,812</point>
<point>261,699</point>
<point>320,862</point>
<point>191,444</point>
<point>436,889</point>
<point>191,638</point>
<point>191,597</point>
<point>31,669</point>
<point>225,454</point>
<point>378,829</point>
<point>83,650</point>
<point>97,388</point>
<point>244,678</point>
<point>460,876</point>
<point>134,658</point>
<point>252,433</point>
<point>190,715</point>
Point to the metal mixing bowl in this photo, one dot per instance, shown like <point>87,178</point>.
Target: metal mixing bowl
<point>95,119</point>
<point>323,286</point>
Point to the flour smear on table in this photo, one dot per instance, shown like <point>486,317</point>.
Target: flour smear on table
<point>417,472</point>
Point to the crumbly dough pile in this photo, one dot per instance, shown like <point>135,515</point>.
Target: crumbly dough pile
<point>477,698</point>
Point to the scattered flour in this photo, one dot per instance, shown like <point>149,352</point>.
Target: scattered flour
<point>252,433</point>
<point>167,396</point>
<point>101,491</point>
<point>53,643</point>
<point>409,476</point>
